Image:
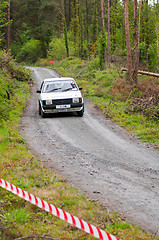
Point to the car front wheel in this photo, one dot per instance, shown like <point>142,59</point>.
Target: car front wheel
<point>41,112</point>
<point>39,109</point>
<point>80,113</point>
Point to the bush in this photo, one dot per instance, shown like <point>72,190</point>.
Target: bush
<point>147,102</point>
<point>57,49</point>
<point>152,57</point>
<point>30,51</point>
<point>12,78</point>
<point>120,90</point>
<point>94,64</point>
<point>12,68</point>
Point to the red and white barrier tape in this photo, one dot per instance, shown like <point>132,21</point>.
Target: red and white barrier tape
<point>86,227</point>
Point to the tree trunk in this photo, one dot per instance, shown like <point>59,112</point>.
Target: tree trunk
<point>143,72</point>
<point>66,36</point>
<point>108,43</point>
<point>103,36</point>
<point>62,14</point>
<point>157,27</point>
<point>8,27</point>
<point>102,13</point>
<point>69,11</point>
<point>135,46</point>
<point>87,14</point>
<point>128,46</point>
<point>140,2</point>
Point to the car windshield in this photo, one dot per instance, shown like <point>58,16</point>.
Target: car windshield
<point>59,86</point>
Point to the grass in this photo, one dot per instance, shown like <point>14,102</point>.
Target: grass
<point>19,166</point>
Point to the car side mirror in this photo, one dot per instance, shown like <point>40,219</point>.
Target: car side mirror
<point>38,91</point>
<point>80,88</point>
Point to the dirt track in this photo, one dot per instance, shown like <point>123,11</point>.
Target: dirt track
<point>97,157</point>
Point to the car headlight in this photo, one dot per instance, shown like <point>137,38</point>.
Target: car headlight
<point>48,102</point>
<point>77,100</point>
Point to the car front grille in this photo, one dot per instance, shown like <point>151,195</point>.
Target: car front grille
<point>62,101</point>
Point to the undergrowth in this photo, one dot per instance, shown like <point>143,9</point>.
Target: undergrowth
<point>22,220</point>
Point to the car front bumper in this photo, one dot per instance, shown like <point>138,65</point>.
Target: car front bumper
<point>62,108</point>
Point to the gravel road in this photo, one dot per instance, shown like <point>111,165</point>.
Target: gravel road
<point>98,157</point>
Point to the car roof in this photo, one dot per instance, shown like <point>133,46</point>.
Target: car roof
<point>58,79</point>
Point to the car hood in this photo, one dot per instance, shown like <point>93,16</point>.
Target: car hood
<point>60,95</point>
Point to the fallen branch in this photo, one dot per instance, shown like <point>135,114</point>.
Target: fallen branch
<point>143,72</point>
<point>112,103</point>
<point>8,95</point>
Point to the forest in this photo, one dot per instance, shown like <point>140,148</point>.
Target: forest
<point>87,28</point>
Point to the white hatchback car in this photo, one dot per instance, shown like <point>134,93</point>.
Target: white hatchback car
<point>60,95</point>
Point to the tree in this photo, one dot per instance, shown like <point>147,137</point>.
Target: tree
<point>128,45</point>
<point>102,13</point>
<point>103,40</point>
<point>157,25</point>
<point>117,29</point>
<point>8,28</point>
<point>42,20</point>
<point>3,19</point>
<point>33,20</point>
<point>140,3</point>
<point>66,36</point>
<point>94,25</point>
<point>75,24</point>
<point>135,45</point>
<point>108,41</point>
<point>87,21</point>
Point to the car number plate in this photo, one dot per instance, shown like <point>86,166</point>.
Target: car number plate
<point>63,106</point>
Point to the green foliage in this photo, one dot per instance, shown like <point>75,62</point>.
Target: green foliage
<point>75,26</point>
<point>94,27</point>
<point>93,65</point>
<point>11,75</point>
<point>3,19</point>
<point>30,51</point>
<point>16,71</point>
<point>66,36</point>
<point>152,57</point>
<point>142,46</point>
<point>117,34</point>
<point>147,29</point>
<point>42,20</point>
<point>57,49</point>
<point>102,49</point>
<point>4,101</point>
<point>18,215</point>
<point>3,6</point>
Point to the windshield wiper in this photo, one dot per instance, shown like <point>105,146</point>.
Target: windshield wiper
<point>52,90</point>
<point>67,89</point>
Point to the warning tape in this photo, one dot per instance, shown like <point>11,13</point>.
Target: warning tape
<point>86,227</point>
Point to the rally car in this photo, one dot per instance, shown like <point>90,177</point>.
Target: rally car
<point>60,95</point>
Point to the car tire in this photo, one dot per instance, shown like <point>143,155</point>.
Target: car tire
<point>39,109</point>
<point>80,113</point>
<point>43,114</point>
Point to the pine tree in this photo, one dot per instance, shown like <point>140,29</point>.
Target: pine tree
<point>95,25</point>
<point>3,19</point>
<point>66,36</point>
<point>75,24</point>
<point>135,46</point>
<point>128,45</point>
